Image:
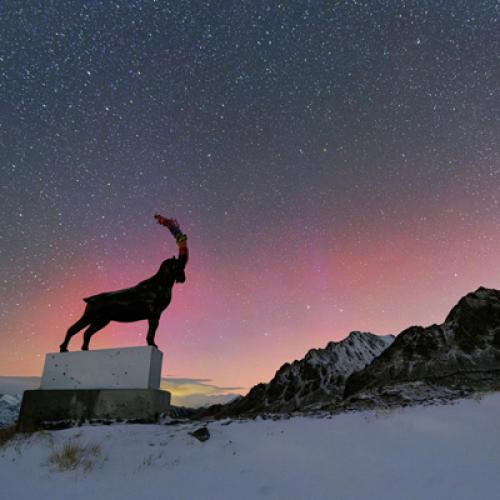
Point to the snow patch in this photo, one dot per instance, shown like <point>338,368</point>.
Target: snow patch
<point>448,451</point>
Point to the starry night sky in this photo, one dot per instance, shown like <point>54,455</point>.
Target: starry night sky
<point>336,166</point>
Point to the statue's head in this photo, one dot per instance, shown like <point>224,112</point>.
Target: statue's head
<point>173,268</point>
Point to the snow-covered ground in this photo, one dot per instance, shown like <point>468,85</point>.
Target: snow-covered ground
<point>425,452</point>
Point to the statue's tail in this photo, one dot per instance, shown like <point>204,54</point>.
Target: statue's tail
<point>92,298</point>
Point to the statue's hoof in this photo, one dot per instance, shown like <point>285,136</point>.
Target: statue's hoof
<point>85,347</point>
<point>63,349</point>
<point>153,345</point>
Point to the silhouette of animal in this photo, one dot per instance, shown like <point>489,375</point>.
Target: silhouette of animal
<point>145,301</point>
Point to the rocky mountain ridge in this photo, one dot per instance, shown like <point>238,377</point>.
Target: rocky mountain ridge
<point>422,364</point>
<point>462,353</point>
<point>308,382</point>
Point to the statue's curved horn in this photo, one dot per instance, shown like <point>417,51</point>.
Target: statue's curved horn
<point>179,236</point>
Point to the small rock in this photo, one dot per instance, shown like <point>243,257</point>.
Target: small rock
<point>173,422</point>
<point>201,434</point>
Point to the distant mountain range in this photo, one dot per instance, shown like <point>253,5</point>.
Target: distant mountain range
<point>421,364</point>
<point>186,392</point>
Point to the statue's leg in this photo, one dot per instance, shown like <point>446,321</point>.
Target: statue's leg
<point>93,328</point>
<point>72,330</point>
<point>153,325</point>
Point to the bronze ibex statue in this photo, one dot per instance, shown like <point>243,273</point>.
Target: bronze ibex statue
<point>146,300</point>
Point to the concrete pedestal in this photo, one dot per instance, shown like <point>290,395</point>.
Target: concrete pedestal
<point>125,368</point>
<point>50,408</point>
<point>103,385</point>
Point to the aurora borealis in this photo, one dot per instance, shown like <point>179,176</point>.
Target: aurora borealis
<point>336,166</point>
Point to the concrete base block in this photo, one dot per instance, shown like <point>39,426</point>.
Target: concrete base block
<point>122,368</point>
<point>49,408</point>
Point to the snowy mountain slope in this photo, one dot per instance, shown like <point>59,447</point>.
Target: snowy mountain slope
<point>9,409</point>
<point>311,382</point>
<point>463,353</point>
<point>417,453</point>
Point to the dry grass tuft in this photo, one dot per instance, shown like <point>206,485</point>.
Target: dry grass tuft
<point>73,455</point>
<point>477,396</point>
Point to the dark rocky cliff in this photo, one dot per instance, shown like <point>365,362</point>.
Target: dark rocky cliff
<point>464,351</point>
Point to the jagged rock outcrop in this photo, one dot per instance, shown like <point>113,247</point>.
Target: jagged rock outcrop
<point>461,353</point>
<point>311,382</point>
